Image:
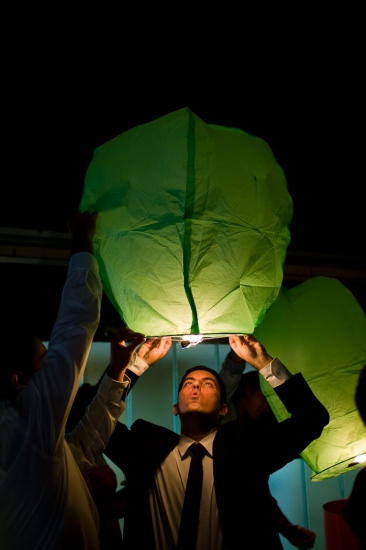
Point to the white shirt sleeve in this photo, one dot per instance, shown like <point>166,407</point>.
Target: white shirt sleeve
<point>275,373</point>
<point>90,437</point>
<point>138,365</point>
<point>48,396</point>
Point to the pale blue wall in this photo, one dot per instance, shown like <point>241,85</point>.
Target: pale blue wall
<point>152,398</point>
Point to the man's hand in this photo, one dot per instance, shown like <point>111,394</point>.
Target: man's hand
<point>299,536</point>
<point>250,350</point>
<point>154,349</point>
<point>82,229</point>
<point>121,354</point>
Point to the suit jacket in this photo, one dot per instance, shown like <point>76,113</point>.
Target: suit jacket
<point>243,458</point>
<point>355,508</point>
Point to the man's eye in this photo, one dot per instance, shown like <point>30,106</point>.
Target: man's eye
<point>208,383</point>
<point>188,383</point>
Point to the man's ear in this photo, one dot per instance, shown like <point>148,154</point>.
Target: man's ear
<point>18,380</point>
<point>175,409</point>
<point>223,410</point>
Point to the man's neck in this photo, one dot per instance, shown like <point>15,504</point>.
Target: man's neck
<point>197,426</point>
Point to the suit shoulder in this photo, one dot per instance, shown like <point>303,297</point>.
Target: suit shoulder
<point>148,430</point>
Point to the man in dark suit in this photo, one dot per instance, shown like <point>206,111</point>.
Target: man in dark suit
<point>235,509</point>
<point>355,506</point>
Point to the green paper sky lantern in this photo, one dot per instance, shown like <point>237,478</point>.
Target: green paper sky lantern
<point>193,226</point>
<point>319,329</point>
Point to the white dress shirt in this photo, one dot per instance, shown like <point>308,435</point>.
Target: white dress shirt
<point>167,496</point>
<point>44,501</point>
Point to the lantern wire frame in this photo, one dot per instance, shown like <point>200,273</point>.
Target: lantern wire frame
<point>192,340</point>
<point>185,340</point>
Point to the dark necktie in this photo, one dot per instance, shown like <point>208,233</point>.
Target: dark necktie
<point>188,529</point>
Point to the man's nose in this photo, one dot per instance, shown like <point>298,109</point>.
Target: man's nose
<point>196,385</point>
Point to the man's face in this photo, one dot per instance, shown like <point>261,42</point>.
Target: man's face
<point>200,393</point>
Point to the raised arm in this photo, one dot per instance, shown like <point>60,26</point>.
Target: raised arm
<point>149,353</point>
<point>154,349</point>
<point>122,354</point>
<point>249,349</point>
<point>231,371</point>
<point>89,439</point>
<point>52,390</point>
<point>308,416</point>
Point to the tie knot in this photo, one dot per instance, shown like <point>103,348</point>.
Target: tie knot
<point>197,451</point>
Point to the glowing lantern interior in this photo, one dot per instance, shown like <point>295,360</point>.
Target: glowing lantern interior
<point>318,329</point>
<point>193,226</point>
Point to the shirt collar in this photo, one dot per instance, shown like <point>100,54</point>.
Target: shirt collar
<point>185,442</point>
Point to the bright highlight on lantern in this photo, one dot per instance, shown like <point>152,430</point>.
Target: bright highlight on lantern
<point>191,340</point>
<point>358,460</point>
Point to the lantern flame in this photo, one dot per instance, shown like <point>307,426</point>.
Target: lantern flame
<point>190,340</point>
<point>357,460</point>
<point>360,458</point>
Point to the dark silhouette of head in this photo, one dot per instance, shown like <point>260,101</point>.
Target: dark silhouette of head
<point>249,400</point>
<point>360,395</point>
<point>22,353</point>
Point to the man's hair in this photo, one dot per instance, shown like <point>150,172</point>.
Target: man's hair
<point>211,371</point>
<point>252,378</point>
<point>17,354</point>
<point>360,395</point>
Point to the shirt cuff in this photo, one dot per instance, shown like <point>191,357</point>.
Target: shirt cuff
<point>83,260</point>
<point>138,366</point>
<point>275,373</point>
<point>112,390</point>
<point>233,367</point>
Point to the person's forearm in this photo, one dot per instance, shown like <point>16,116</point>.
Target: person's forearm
<point>90,438</point>
<point>307,419</point>
<point>231,373</point>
